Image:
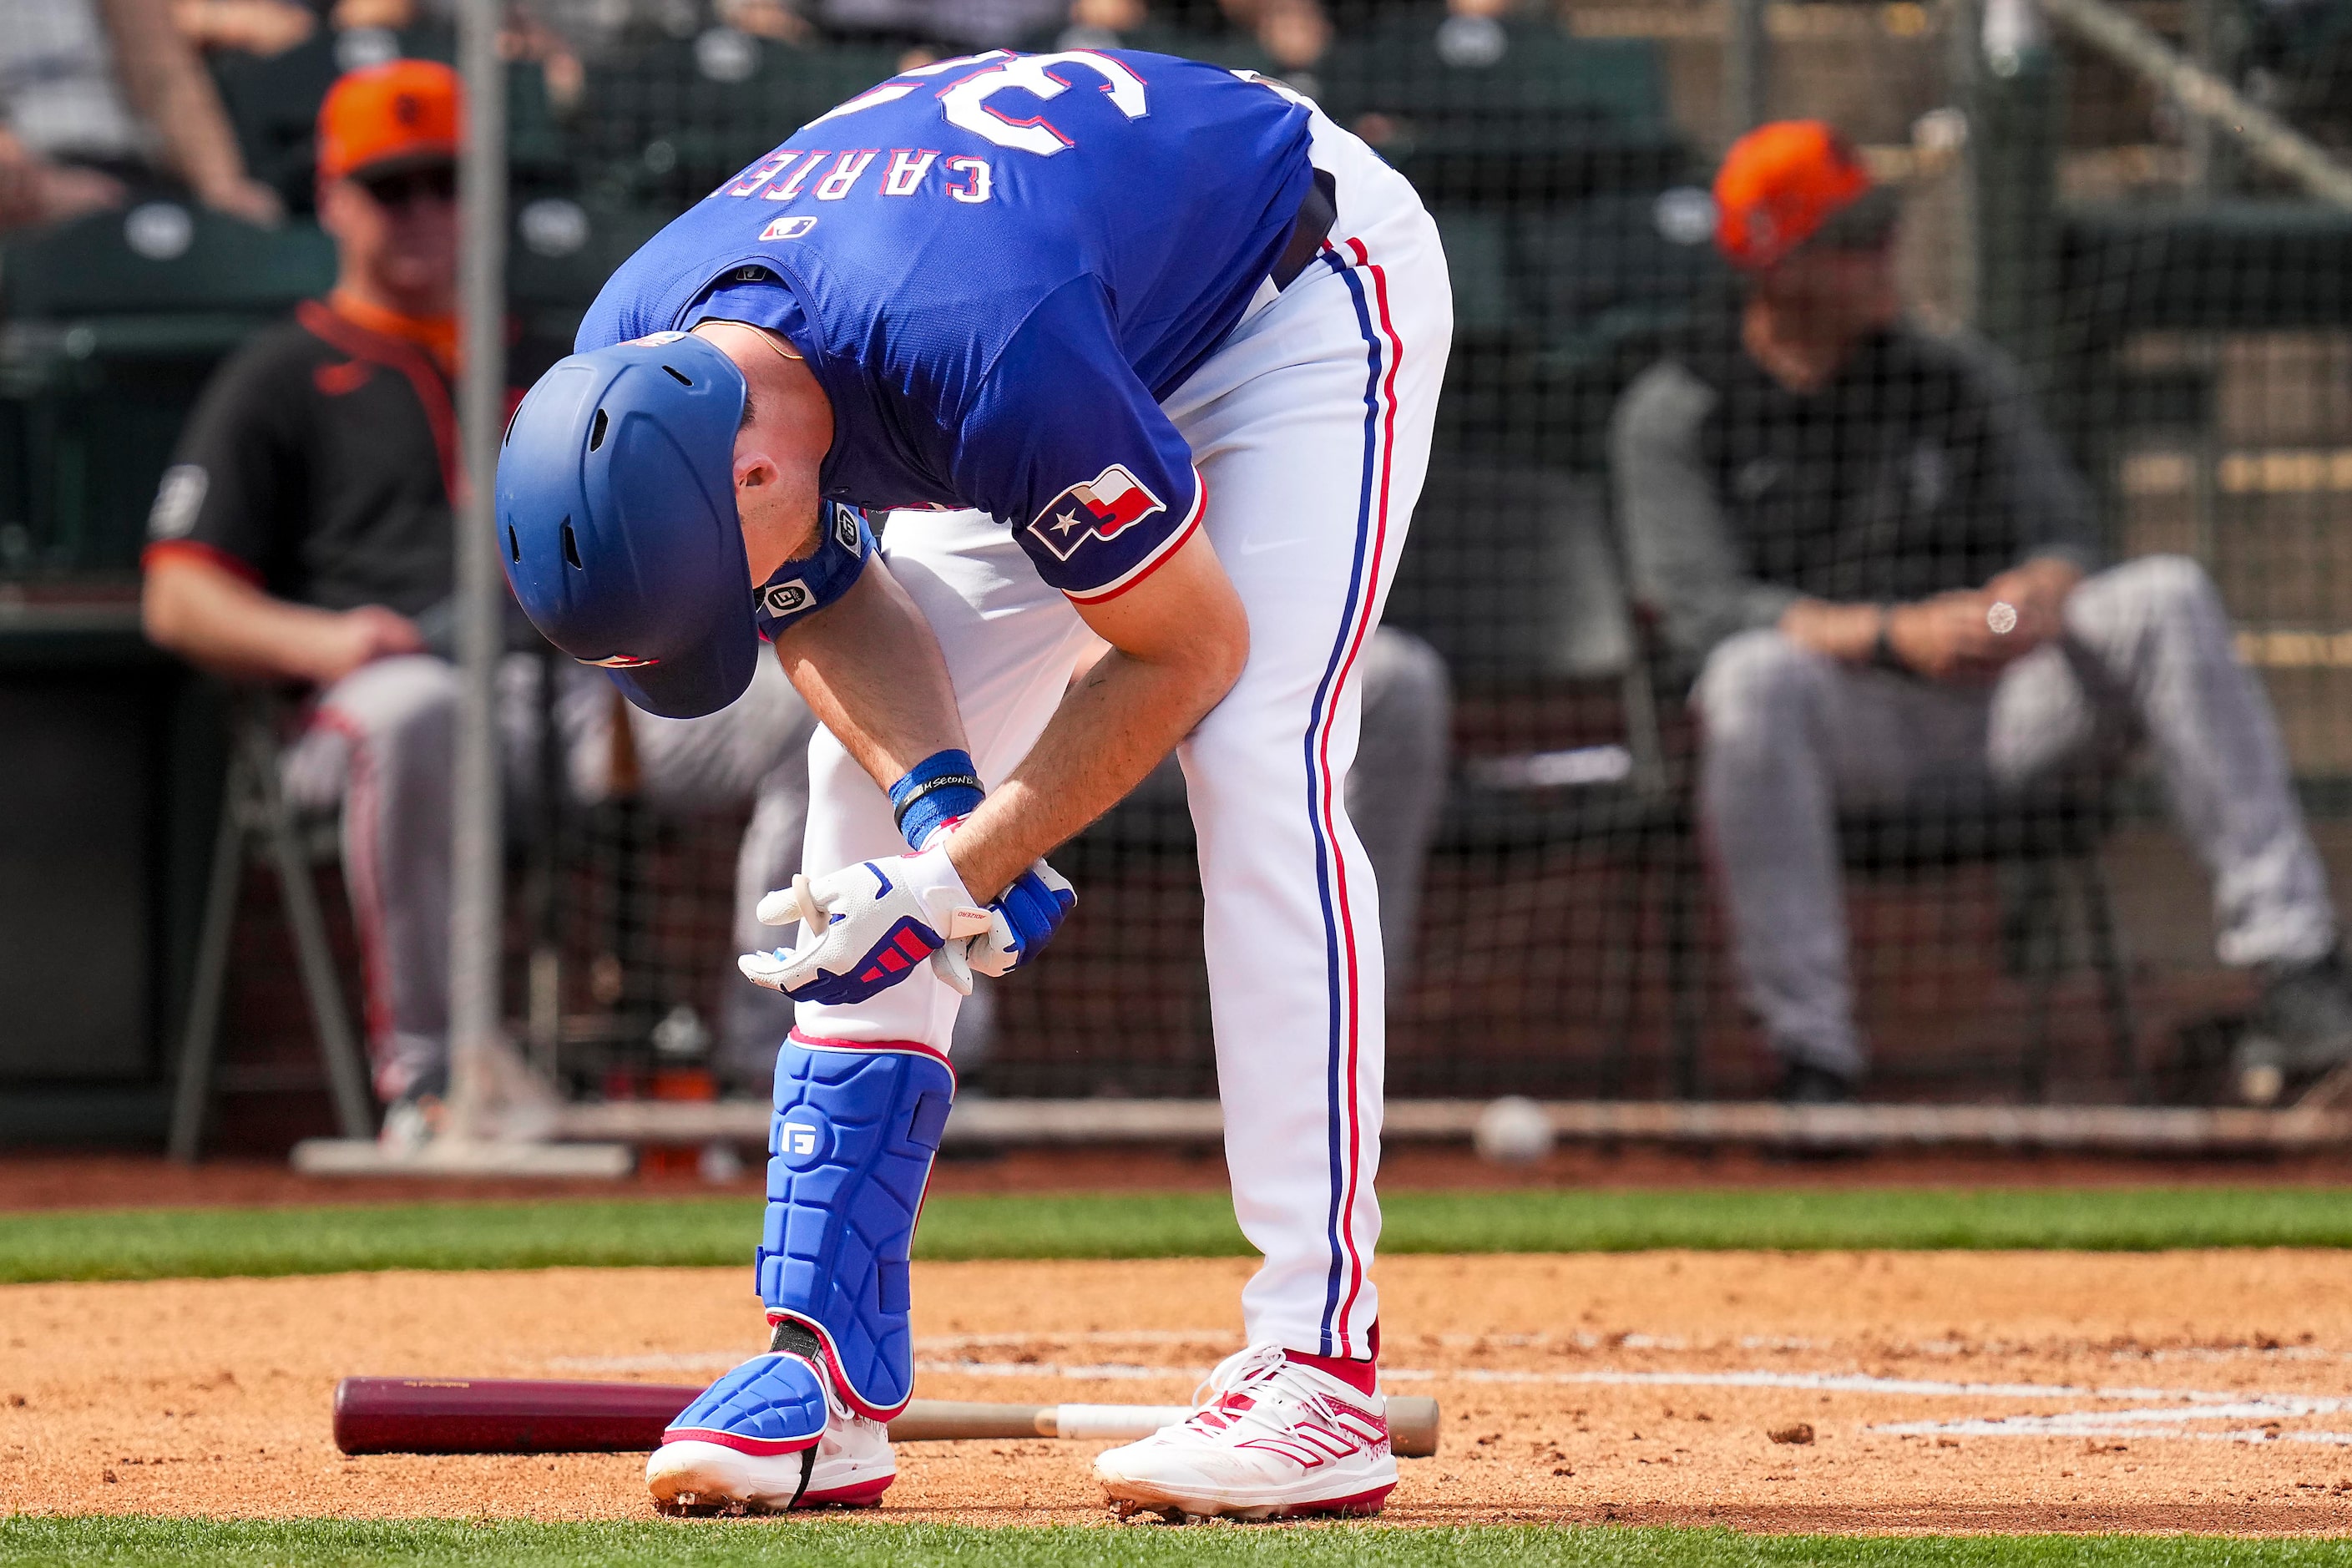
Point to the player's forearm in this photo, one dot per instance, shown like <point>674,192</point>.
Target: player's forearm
<point>169,86</point>
<point>871,672</point>
<point>227,625</point>
<point>1847,632</point>
<point>1113,727</point>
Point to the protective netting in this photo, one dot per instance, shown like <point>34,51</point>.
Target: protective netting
<point>2175,299</point>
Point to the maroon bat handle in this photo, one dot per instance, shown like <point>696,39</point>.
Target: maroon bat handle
<point>502,1415</point>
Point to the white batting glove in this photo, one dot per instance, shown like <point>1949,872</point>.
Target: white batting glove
<point>867,926</point>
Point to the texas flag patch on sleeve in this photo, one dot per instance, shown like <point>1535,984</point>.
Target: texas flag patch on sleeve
<point>1101,509</point>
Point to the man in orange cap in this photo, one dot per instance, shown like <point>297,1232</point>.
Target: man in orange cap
<point>304,534</point>
<point>1886,571</point>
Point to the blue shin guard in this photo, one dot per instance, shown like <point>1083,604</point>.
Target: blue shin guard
<point>850,1153</point>
<point>770,1405</point>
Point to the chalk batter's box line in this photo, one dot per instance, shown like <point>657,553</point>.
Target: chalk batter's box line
<point>2153,1419</point>
<point>2199,1404</point>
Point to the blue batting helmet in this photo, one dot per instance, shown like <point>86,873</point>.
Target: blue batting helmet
<point>616,516</point>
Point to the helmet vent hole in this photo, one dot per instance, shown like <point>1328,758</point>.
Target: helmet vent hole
<point>514,546</point>
<point>570,545</point>
<point>595,437</point>
<point>677,376</point>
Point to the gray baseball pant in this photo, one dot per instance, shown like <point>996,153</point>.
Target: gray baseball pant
<point>381,743</point>
<point>1794,736</point>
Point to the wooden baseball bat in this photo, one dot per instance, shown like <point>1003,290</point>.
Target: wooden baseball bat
<point>526,1416</point>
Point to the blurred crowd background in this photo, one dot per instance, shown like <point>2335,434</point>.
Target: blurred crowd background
<point>2176,313</point>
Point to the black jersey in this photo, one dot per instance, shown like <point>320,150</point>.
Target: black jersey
<point>1920,467</point>
<point>319,465</point>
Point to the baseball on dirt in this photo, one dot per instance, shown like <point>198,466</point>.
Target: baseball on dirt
<point>1512,1130</point>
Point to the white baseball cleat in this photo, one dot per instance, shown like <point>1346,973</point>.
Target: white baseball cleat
<point>1272,1438</point>
<point>851,1467</point>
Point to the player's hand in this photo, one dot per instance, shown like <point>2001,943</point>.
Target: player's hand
<point>2036,594</point>
<point>1947,637</point>
<point>249,199</point>
<point>60,192</point>
<point>867,926</point>
<point>1021,922</point>
<point>357,636</point>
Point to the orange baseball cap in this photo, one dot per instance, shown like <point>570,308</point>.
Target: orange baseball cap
<point>1783,184</point>
<point>406,114</point>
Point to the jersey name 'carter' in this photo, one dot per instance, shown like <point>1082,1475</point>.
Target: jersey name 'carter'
<point>997,267</point>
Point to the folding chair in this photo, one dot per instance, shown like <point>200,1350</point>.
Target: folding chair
<point>255,820</point>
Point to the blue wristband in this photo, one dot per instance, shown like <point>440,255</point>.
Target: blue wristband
<point>802,588</point>
<point>941,788</point>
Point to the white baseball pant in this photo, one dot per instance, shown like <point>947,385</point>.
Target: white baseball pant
<point>1311,425</point>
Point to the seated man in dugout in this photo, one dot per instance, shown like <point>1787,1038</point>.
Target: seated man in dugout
<point>1886,573</point>
<point>304,535</point>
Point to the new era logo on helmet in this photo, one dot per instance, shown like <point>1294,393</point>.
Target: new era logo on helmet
<point>654,339</point>
<point>783,599</point>
<point>1103,508</point>
<point>621,661</point>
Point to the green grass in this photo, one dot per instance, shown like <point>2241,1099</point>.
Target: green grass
<point>433,1543</point>
<point>154,1244</point>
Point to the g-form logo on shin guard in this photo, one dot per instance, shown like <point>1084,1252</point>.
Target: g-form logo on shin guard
<point>803,1137</point>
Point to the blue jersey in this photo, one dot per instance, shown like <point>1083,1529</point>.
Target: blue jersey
<point>997,267</point>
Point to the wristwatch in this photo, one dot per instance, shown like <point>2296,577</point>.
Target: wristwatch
<point>1882,650</point>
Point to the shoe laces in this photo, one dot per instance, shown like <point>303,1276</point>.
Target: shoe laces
<point>1247,1368</point>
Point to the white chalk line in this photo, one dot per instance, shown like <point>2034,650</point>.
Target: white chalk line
<point>2144,1422</point>
<point>1226,1339</point>
<point>2159,1413</point>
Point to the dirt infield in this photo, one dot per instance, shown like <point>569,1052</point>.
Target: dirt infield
<point>2200,1391</point>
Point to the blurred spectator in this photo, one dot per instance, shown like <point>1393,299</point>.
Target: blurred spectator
<point>250,26</point>
<point>1292,33</point>
<point>304,534</point>
<point>1105,24</point>
<point>956,23</point>
<point>1279,37</point>
<point>33,190</point>
<point>100,97</point>
<point>1889,573</point>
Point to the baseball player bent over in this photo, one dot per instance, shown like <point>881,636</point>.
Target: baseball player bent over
<point>1134,348</point>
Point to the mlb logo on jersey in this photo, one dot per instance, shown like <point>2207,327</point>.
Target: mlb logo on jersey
<point>788,228</point>
<point>1103,508</point>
